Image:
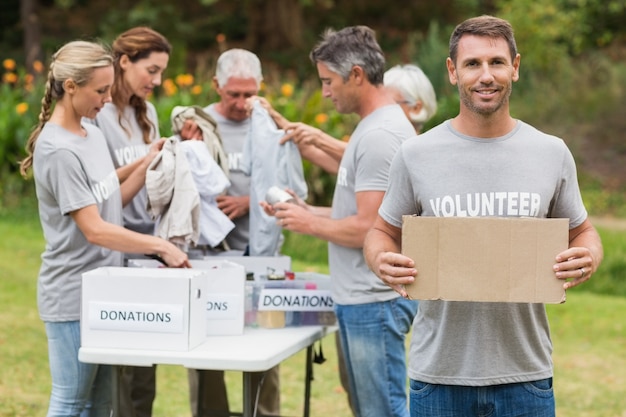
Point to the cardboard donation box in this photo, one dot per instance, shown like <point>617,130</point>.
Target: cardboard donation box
<point>133,308</point>
<point>225,309</point>
<point>491,259</point>
<point>223,288</point>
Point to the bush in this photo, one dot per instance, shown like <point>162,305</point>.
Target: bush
<point>20,94</point>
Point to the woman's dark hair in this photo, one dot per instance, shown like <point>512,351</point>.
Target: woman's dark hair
<point>137,44</point>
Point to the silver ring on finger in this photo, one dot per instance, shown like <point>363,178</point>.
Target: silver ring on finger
<point>582,272</point>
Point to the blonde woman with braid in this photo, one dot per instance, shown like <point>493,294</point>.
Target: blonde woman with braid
<point>80,209</point>
<point>129,123</point>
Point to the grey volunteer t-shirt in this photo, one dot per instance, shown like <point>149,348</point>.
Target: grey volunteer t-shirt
<point>444,173</point>
<point>126,145</point>
<point>364,167</point>
<point>71,172</point>
<point>234,136</point>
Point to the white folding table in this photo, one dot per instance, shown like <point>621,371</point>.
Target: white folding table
<point>257,350</point>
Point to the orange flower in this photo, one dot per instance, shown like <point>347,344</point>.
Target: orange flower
<point>38,67</point>
<point>184,80</point>
<point>21,108</point>
<point>9,64</point>
<point>169,87</point>
<point>321,118</point>
<point>220,38</point>
<point>196,90</point>
<point>286,90</point>
<point>9,78</point>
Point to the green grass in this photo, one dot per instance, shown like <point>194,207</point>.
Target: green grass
<point>24,381</point>
<point>611,276</point>
<point>589,333</point>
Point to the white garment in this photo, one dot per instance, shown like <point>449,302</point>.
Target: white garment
<point>210,182</point>
<point>207,125</point>
<point>269,164</point>
<point>172,196</point>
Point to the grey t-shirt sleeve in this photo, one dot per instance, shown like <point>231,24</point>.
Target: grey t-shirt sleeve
<point>568,202</point>
<point>68,181</point>
<point>399,199</point>
<point>373,156</point>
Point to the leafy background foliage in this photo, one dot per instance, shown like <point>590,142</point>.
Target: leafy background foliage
<point>572,76</point>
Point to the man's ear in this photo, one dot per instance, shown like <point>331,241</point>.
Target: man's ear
<point>451,71</point>
<point>358,73</point>
<point>516,64</point>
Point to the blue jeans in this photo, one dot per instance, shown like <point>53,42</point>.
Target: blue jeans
<point>78,389</point>
<point>373,343</point>
<point>524,399</point>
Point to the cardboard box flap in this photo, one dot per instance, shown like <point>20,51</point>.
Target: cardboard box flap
<point>485,258</point>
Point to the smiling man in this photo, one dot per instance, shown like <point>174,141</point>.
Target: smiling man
<point>472,358</point>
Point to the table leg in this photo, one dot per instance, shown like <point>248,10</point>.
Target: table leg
<point>248,395</point>
<point>200,403</point>
<point>308,377</point>
<point>115,406</point>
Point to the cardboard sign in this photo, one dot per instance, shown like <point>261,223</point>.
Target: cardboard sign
<point>489,259</point>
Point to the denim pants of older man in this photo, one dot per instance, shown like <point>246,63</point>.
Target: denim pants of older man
<point>373,343</point>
